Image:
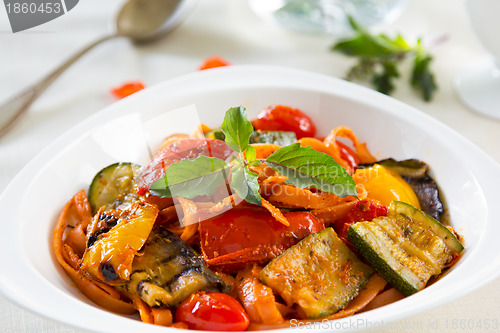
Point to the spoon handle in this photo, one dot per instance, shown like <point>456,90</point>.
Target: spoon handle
<point>13,110</point>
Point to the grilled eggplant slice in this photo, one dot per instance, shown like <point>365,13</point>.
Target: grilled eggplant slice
<point>415,173</point>
<point>168,270</point>
<point>113,186</point>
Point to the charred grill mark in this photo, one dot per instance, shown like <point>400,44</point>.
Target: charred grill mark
<point>141,287</point>
<point>107,222</point>
<point>185,271</point>
<point>110,220</point>
<point>108,271</point>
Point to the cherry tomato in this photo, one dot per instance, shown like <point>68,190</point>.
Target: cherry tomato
<point>348,155</point>
<point>246,235</point>
<point>213,62</point>
<point>365,210</point>
<point>127,89</point>
<point>186,149</point>
<point>285,118</point>
<point>212,311</point>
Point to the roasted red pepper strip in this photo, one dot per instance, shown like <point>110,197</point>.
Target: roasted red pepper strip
<point>251,235</point>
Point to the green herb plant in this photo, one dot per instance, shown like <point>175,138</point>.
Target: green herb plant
<point>303,166</point>
<point>379,57</point>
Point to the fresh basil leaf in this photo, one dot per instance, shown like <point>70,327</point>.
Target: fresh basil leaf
<point>245,183</point>
<point>306,167</point>
<point>191,178</point>
<point>237,129</point>
<point>251,154</point>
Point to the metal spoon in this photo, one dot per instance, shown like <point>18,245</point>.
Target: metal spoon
<point>142,21</point>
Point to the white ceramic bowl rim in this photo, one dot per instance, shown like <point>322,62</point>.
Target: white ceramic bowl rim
<point>24,283</point>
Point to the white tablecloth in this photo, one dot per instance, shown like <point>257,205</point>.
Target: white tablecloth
<point>227,28</point>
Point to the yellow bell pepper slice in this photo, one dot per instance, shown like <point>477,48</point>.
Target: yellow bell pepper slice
<point>110,258</point>
<point>385,185</point>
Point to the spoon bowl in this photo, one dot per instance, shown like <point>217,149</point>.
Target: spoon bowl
<point>144,21</point>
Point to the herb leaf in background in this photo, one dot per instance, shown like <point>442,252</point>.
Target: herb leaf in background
<point>379,57</point>
<point>306,167</point>
<point>422,77</point>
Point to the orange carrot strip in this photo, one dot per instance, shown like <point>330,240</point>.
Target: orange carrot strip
<point>180,325</point>
<point>323,148</point>
<point>257,299</point>
<point>171,139</point>
<point>290,196</point>
<point>77,239</point>
<point>275,212</point>
<point>86,286</point>
<point>369,291</point>
<point>108,289</point>
<point>285,310</point>
<point>190,219</point>
<point>387,297</point>
<point>264,150</point>
<point>83,207</point>
<point>144,309</point>
<point>363,153</point>
<point>330,214</point>
<point>71,257</point>
<point>162,316</point>
<point>221,206</point>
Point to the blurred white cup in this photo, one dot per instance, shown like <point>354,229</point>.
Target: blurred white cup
<point>478,85</point>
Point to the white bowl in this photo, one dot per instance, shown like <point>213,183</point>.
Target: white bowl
<point>124,131</point>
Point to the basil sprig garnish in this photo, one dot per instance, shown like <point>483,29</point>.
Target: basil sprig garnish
<point>303,166</point>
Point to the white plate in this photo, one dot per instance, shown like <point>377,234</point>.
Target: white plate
<point>126,130</point>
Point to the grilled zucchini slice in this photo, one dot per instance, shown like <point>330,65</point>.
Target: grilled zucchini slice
<point>113,186</point>
<point>407,247</point>
<point>320,274</point>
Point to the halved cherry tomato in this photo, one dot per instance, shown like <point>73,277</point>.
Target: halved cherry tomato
<point>365,210</point>
<point>348,155</point>
<point>127,89</point>
<point>213,62</point>
<point>212,311</point>
<point>285,118</point>
<point>251,235</point>
<point>186,149</point>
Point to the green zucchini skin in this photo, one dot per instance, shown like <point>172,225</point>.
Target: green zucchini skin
<point>320,274</point>
<point>407,247</point>
<point>112,186</point>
